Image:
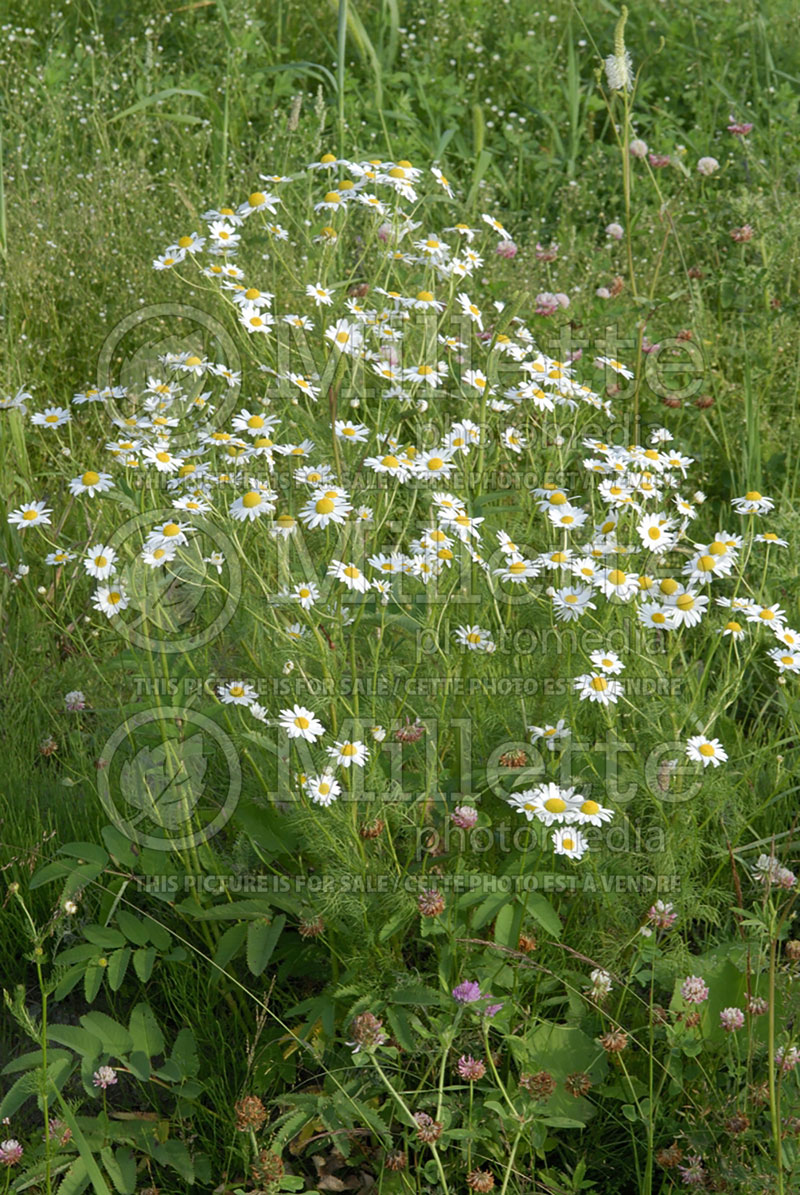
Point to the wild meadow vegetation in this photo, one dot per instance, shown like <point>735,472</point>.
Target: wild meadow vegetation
<point>400,455</point>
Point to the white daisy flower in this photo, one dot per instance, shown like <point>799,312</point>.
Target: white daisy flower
<point>301,723</point>
<point>706,751</point>
<point>346,753</point>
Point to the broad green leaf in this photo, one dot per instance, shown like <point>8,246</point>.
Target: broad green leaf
<point>143,961</point>
<point>175,1154</point>
<point>184,1054</point>
<point>134,929</point>
<point>117,966</point>
<point>19,1091</point>
<point>541,910</point>
<point>115,1038</point>
<point>92,852</point>
<point>82,1041</point>
<point>103,935</point>
<point>145,1031</point>
<point>262,938</point>
<point>75,1180</point>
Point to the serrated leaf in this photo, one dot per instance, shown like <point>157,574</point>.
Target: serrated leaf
<point>117,966</point>
<point>19,1091</point>
<point>82,1041</point>
<point>262,938</point>
<point>235,911</point>
<point>542,911</point>
<point>67,982</point>
<point>143,961</point>
<point>145,1031</point>
<point>121,1169</point>
<point>75,1180</point>
<point>132,927</point>
<point>92,852</point>
<point>229,944</point>
<point>77,954</point>
<point>114,1037</point>
<point>139,1065</point>
<point>175,1154</point>
<point>165,783</point>
<point>158,935</point>
<point>184,1054</point>
<point>92,979</point>
<point>415,994</point>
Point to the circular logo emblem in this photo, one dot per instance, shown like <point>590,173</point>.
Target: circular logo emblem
<point>131,357</point>
<point>169,778</point>
<point>189,590</point>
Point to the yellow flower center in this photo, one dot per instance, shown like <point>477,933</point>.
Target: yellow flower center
<point>170,529</point>
<point>668,586</point>
<point>706,564</point>
<point>707,750</point>
<point>590,808</point>
<point>301,722</point>
<point>90,478</point>
<point>352,572</point>
<point>555,805</point>
<point>251,499</point>
<point>616,577</point>
<point>101,561</point>
<point>733,627</point>
<point>349,749</point>
<point>599,684</point>
<point>435,463</point>
<point>685,602</point>
<point>324,506</point>
<point>753,496</point>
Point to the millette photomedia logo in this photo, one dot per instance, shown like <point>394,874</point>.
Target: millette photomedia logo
<point>169,778</point>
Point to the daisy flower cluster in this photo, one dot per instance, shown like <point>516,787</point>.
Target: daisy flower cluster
<point>358,463</point>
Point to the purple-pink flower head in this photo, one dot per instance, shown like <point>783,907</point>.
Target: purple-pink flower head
<point>467,992</point>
